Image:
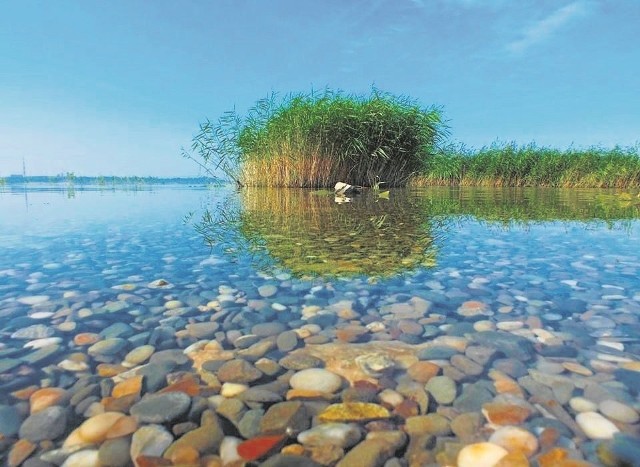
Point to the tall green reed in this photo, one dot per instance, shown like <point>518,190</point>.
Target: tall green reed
<point>320,138</point>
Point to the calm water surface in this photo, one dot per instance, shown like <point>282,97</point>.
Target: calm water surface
<point>536,290</point>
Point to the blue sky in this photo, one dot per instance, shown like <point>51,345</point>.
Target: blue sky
<point>117,87</point>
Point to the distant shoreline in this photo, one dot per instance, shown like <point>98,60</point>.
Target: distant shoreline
<point>109,181</point>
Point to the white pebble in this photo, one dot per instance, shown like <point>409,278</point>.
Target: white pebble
<point>595,426</point>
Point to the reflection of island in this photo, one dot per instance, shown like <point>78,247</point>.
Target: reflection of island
<point>308,233</point>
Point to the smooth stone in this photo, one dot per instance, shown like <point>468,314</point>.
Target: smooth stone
<point>238,371</point>
<point>268,329</point>
<point>205,330</point>
<point>107,347</point>
<point>115,452</point>
<point>205,439</point>
<point>580,404</point>
<point>84,458</point>
<point>33,299</point>
<point>281,460</point>
<point>317,379</point>
<point>39,343</point>
<point>436,353</point>
<point>8,364</point>
<point>161,408</point>
<point>335,434</point>
<point>229,450</point>
<point>45,397</point>
<point>36,331</point>
<point>150,440</point>
<point>232,389</point>
<point>285,417</point>
<point>139,355</point>
<point>442,389</point>
<point>47,424</point>
<point>431,424</point>
<point>19,452</point>
<point>618,411</point>
<point>353,412</point>
<point>287,341</point>
<point>515,439</point>
<point>481,455</point>
<point>94,429</point>
<point>268,290</point>
<point>595,426</point>
<point>511,345</point>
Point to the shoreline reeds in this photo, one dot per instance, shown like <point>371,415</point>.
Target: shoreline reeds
<point>509,165</point>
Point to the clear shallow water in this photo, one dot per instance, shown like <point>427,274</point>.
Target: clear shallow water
<point>557,269</point>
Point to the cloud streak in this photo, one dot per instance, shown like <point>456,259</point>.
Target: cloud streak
<point>547,27</point>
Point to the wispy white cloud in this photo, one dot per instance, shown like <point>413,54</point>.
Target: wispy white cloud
<point>547,27</point>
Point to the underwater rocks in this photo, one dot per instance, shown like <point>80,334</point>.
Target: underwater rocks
<point>215,363</point>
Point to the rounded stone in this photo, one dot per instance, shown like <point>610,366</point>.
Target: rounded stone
<point>161,408</point>
<point>287,341</point>
<point>580,404</point>
<point>316,379</point>
<point>110,346</point>
<point>481,455</point>
<point>46,424</point>
<point>37,331</point>
<point>595,426</point>
<point>150,440</point>
<point>442,388</point>
<point>515,439</point>
<point>618,411</point>
<point>84,458</point>
<point>267,290</point>
<point>343,435</point>
<point>139,354</point>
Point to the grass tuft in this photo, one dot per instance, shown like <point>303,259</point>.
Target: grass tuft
<point>317,139</point>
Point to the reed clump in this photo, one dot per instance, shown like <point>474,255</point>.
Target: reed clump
<point>315,140</point>
<point>509,165</point>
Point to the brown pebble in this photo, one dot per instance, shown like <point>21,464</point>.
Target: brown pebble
<point>423,371</point>
<point>20,451</point>
<point>45,397</point>
<point>128,387</point>
<point>185,455</point>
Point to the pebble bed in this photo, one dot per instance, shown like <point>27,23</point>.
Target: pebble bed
<point>124,342</point>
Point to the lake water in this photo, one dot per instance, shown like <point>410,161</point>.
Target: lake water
<point>455,316</point>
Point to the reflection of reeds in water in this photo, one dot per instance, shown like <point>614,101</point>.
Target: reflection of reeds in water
<point>523,205</point>
<point>309,233</point>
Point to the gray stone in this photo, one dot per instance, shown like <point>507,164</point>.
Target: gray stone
<point>161,408</point>
<point>510,345</point>
<point>472,398</point>
<point>249,425</point>
<point>150,440</point>
<point>436,353</point>
<point>108,347</point>
<point>115,452</point>
<point>205,330</point>
<point>287,341</point>
<point>48,424</point>
<point>285,417</point>
<point>268,329</point>
<point>442,389</point>
<point>280,460</point>
<point>36,331</point>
